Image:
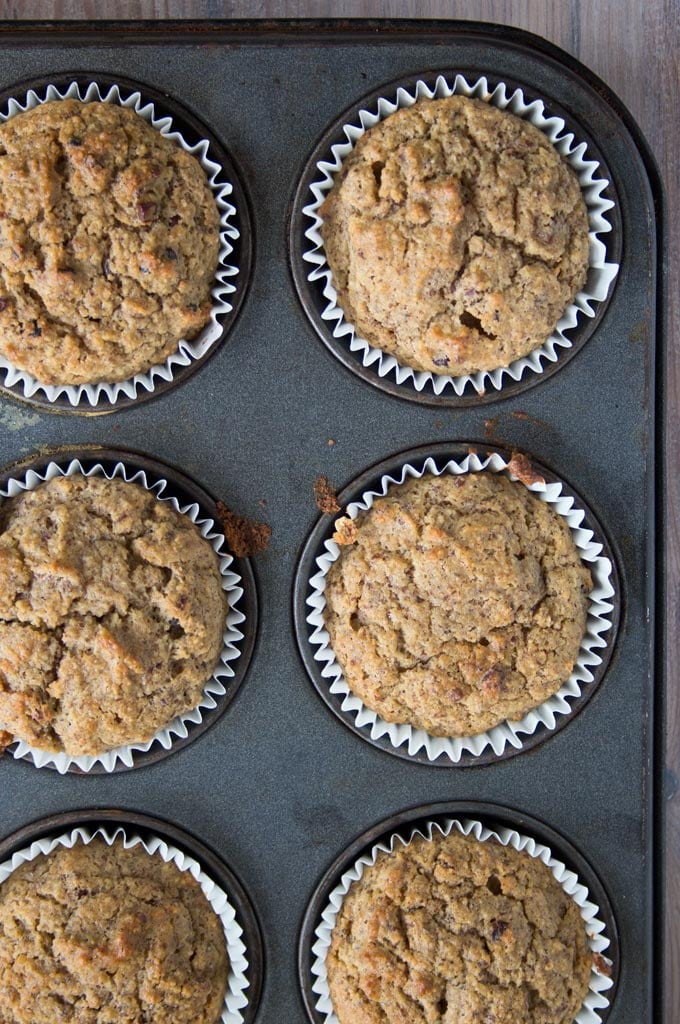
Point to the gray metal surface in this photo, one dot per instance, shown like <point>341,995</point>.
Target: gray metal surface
<point>278,787</point>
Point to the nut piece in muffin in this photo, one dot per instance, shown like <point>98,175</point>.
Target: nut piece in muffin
<point>101,933</point>
<point>112,614</point>
<point>109,240</point>
<point>458,931</point>
<point>456,236</point>
<point>459,602</point>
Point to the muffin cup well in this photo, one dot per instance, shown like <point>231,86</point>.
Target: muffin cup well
<point>237,584</point>
<point>315,281</point>
<point>235,250</point>
<point>237,996</point>
<point>508,738</point>
<point>322,914</point>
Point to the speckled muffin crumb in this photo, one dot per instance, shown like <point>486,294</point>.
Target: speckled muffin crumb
<point>456,602</point>
<point>458,931</point>
<point>108,935</point>
<point>111,614</point>
<point>109,239</point>
<point>456,236</point>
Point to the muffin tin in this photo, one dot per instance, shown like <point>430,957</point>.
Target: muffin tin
<point>278,786</point>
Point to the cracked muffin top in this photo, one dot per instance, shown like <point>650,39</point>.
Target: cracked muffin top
<point>456,235</point>
<point>457,602</point>
<point>461,931</point>
<point>101,933</point>
<point>109,240</point>
<point>111,615</point>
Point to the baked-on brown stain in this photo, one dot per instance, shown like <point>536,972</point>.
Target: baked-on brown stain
<point>490,426</point>
<point>519,415</point>
<point>457,929</point>
<point>521,467</point>
<point>602,965</point>
<point>245,537</point>
<point>325,496</point>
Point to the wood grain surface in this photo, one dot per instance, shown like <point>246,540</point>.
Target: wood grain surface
<point>634,45</point>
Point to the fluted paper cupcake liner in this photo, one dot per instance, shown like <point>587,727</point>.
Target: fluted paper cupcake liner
<point>215,687</point>
<point>508,733</point>
<point>601,273</point>
<point>235,998</point>
<point>598,940</point>
<point>187,351</point>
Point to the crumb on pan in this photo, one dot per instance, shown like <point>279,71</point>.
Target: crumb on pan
<point>245,537</point>
<point>324,496</point>
<point>521,467</point>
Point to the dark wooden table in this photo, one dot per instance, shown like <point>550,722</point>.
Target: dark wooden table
<point>634,45</point>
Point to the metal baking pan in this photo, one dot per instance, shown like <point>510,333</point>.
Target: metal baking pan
<point>278,786</point>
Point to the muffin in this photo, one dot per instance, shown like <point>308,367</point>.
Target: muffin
<point>454,929</point>
<point>109,240</point>
<point>107,934</point>
<point>456,603</point>
<point>112,614</point>
<point>456,236</point>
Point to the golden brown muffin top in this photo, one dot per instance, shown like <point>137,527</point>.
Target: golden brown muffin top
<point>109,238</point>
<point>111,614</point>
<point>101,934</point>
<point>456,602</point>
<point>456,235</point>
<point>457,931</point>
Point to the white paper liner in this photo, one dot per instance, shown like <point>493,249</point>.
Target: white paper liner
<point>595,927</point>
<point>187,351</point>
<point>235,998</point>
<point>507,733</point>
<point>600,277</point>
<point>215,687</point>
